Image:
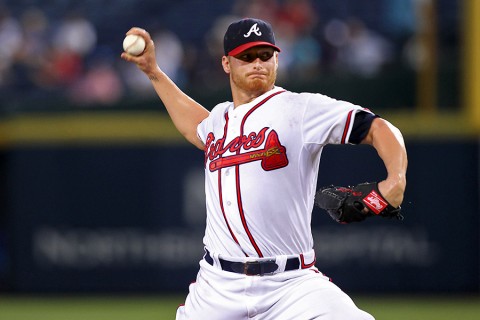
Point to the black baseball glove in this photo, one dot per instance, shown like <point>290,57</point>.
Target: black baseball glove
<point>354,204</point>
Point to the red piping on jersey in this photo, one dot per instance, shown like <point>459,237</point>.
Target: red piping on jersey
<point>347,125</point>
<point>237,175</point>
<point>223,209</point>
<point>220,190</point>
<point>306,266</point>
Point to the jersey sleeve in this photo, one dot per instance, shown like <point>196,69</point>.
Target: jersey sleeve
<point>202,129</point>
<point>329,121</point>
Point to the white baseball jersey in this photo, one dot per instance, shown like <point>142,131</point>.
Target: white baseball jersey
<point>261,164</point>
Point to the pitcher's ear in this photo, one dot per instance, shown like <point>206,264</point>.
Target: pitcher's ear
<point>226,64</point>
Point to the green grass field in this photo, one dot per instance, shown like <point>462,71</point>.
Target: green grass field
<point>163,307</point>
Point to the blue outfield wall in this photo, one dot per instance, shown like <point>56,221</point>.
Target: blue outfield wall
<point>131,219</point>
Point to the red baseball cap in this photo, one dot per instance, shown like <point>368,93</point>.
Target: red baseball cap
<point>247,33</point>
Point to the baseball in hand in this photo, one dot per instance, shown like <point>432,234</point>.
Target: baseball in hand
<point>134,44</point>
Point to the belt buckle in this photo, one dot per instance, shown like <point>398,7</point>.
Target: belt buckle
<point>249,265</point>
<point>259,268</point>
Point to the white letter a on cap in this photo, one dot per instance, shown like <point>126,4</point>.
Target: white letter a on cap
<point>255,29</point>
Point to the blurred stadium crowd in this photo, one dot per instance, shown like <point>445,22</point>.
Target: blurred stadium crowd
<point>67,52</point>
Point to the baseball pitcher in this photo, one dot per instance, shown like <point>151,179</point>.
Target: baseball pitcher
<point>262,154</point>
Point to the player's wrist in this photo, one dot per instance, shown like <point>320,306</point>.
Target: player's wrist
<point>155,74</point>
<point>392,189</point>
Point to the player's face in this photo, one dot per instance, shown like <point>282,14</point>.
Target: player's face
<point>253,70</point>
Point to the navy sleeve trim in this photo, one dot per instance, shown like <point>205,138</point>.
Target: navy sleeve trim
<point>361,126</point>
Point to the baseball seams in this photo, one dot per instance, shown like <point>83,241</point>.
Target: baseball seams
<point>134,44</point>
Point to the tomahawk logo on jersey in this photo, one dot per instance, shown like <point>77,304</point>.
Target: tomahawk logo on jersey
<point>271,154</point>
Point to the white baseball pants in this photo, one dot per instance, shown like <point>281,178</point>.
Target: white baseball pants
<point>292,295</point>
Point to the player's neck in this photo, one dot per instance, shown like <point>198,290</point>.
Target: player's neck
<point>241,97</point>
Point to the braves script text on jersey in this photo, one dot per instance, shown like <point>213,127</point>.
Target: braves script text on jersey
<point>261,165</point>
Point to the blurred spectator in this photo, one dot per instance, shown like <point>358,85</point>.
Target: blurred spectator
<point>399,19</point>
<point>11,40</point>
<point>307,54</point>
<point>170,55</point>
<point>100,85</point>
<point>300,14</point>
<point>301,51</point>
<point>262,9</point>
<point>336,33</point>
<point>285,37</point>
<point>75,34</point>
<point>210,71</point>
<point>214,37</point>
<point>136,82</point>
<point>74,39</point>
<point>35,48</point>
<point>365,52</point>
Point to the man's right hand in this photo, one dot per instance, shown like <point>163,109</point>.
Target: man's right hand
<point>147,60</point>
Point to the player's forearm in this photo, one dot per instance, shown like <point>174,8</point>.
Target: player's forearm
<point>389,143</point>
<point>185,112</point>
